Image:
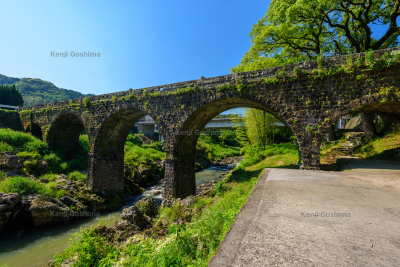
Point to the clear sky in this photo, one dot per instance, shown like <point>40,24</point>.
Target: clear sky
<point>141,43</point>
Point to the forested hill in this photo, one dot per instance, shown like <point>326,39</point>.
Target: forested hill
<point>37,91</point>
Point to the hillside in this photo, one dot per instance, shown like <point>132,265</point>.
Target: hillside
<point>37,91</point>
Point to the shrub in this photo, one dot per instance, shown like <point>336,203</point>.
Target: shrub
<point>24,185</point>
<point>134,139</point>
<point>5,147</point>
<point>49,176</point>
<point>77,176</point>
<point>23,141</point>
<point>204,149</point>
<point>2,175</point>
<point>156,145</point>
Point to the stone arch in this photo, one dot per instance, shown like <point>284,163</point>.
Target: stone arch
<point>35,130</point>
<point>375,104</point>
<point>180,163</point>
<point>106,158</point>
<point>63,133</point>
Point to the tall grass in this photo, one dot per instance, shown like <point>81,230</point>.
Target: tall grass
<point>287,153</point>
<point>136,155</point>
<point>190,245</point>
<point>33,151</point>
<point>24,185</point>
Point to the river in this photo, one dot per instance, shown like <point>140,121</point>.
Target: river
<point>37,247</point>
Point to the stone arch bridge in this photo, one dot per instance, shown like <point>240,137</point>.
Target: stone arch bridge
<point>307,97</point>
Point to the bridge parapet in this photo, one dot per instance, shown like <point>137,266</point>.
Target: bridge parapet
<point>206,83</point>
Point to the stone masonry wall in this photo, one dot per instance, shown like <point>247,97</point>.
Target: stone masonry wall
<point>306,102</point>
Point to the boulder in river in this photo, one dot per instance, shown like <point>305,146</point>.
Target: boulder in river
<point>47,210</point>
<point>8,205</point>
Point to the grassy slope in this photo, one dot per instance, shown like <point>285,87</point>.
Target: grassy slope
<point>386,147</point>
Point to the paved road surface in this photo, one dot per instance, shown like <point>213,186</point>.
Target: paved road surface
<point>315,218</point>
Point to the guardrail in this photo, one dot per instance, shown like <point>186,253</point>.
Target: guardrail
<point>7,106</point>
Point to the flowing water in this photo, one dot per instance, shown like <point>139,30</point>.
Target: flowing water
<point>36,247</point>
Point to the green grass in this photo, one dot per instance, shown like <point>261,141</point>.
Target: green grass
<point>223,151</point>
<point>24,186</point>
<point>190,245</point>
<point>285,155</point>
<point>385,148</point>
<point>77,176</point>
<point>136,155</point>
<point>34,151</point>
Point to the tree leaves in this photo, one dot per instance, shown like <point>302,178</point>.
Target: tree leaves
<point>294,31</point>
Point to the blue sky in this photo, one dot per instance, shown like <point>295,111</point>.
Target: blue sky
<point>141,43</point>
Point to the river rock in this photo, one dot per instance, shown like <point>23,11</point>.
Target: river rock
<point>8,203</point>
<point>157,193</point>
<point>47,210</point>
<point>146,174</point>
<point>163,231</point>
<point>148,206</point>
<point>69,201</point>
<point>9,161</point>
<point>134,216</point>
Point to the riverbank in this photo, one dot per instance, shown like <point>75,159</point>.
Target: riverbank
<point>184,232</point>
<point>36,247</point>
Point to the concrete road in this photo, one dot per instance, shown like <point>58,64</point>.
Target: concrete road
<point>315,218</point>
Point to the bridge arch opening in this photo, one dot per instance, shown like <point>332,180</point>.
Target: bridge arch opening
<point>183,174</point>
<point>67,137</point>
<point>116,151</point>
<point>35,130</point>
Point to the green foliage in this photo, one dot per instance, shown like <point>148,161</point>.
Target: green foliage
<point>33,151</point>
<point>155,145</point>
<point>255,154</point>
<point>320,61</point>
<point>2,176</point>
<point>36,91</point>
<point>369,57</point>
<point>132,138</point>
<point>24,186</point>
<point>190,245</point>
<point>297,71</point>
<point>5,147</point>
<point>155,94</point>
<point>90,247</point>
<point>205,149</point>
<point>77,176</point>
<point>259,126</point>
<point>87,103</point>
<point>9,95</point>
<point>349,62</point>
<point>296,31</point>
<point>217,145</point>
<point>136,155</point>
<point>183,91</point>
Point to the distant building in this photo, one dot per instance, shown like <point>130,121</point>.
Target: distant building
<point>148,126</point>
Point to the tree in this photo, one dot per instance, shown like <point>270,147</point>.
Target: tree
<point>259,126</point>
<point>294,31</point>
<point>9,95</point>
<point>298,30</point>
